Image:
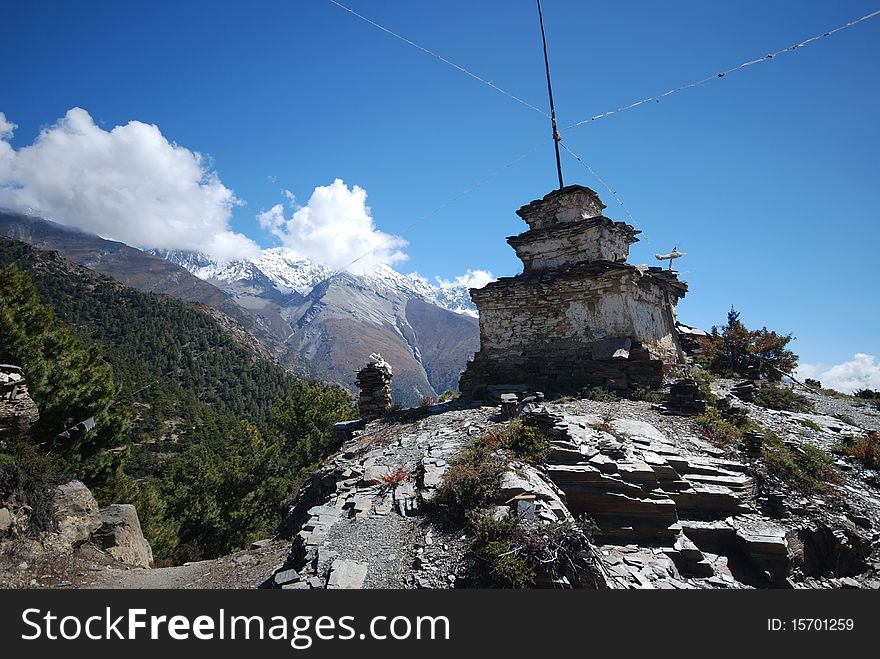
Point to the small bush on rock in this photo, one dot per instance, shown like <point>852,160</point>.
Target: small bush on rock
<point>526,442</point>
<point>804,467</point>
<point>472,482</point>
<point>27,477</point>
<point>515,553</point>
<point>599,393</point>
<point>717,429</point>
<point>779,398</point>
<point>847,419</point>
<point>865,450</point>
<point>447,396</point>
<point>734,349</point>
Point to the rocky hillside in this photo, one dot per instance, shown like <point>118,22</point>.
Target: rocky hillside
<point>129,266</point>
<point>669,508</point>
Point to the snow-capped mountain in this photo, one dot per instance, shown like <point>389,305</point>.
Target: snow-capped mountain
<point>287,274</point>
<point>319,323</point>
<point>331,321</point>
<point>290,273</point>
<point>453,298</point>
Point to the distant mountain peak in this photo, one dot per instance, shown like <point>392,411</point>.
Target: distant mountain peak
<point>288,273</point>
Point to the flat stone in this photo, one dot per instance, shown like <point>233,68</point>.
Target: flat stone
<point>347,574</point>
<point>634,428</point>
<point>286,577</point>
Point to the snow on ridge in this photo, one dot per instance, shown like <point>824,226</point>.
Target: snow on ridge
<point>288,272</point>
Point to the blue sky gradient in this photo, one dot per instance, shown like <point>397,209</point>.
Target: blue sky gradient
<point>767,178</point>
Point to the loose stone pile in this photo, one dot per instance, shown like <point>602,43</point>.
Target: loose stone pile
<point>18,412</point>
<point>374,382</point>
<point>685,399</point>
<point>752,444</point>
<point>745,389</point>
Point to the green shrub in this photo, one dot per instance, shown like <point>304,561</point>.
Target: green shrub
<point>28,477</point>
<point>812,425</point>
<point>526,442</point>
<point>846,418</point>
<point>704,384</point>
<point>513,552</point>
<point>598,393</point>
<point>646,394</point>
<point>717,429</point>
<point>780,398</point>
<point>496,546</point>
<point>472,481</point>
<point>447,396</point>
<point>805,467</point>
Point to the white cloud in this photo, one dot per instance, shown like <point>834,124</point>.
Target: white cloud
<point>470,279</point>
<point>335,227</point>
<point>129,184</point>
<point>862,372</point>
<point>7,128</point>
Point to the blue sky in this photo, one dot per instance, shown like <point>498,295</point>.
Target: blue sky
<point>766,178</point>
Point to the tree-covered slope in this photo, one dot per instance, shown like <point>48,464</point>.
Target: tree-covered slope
<point>182,352</point>
<point>195,424</point>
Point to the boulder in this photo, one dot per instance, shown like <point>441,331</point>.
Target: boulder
<point>75,513</point>
<point>120,536</point>
<point>5,520</point>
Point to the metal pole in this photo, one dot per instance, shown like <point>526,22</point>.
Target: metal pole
<point>556,136</point>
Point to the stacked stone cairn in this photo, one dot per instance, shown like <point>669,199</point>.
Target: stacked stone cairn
<point>745,390</point>
<point>685,399</point>
<point>509,403</point>
<point>753,444</point>
<point>17,411</point>
<point>374,382</point>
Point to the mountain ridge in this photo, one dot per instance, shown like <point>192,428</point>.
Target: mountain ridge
<point>316,322</point>
<point>289,273</point>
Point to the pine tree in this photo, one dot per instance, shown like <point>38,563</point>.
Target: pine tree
<point>69,381</point>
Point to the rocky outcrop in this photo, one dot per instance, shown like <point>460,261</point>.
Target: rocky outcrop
<point>75,515</point>
<point>120,535</point>
<point>361,521</point>
<point>670,509</point>
<point>64,519</point>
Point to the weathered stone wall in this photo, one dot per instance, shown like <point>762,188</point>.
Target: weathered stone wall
<point>526,314</point>
<point>576,242</point>
<point>574,202</point>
